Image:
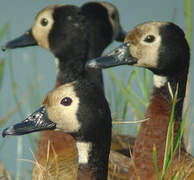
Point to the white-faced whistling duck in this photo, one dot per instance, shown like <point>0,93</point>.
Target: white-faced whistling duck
<point>162,48</point>
<point>80,109</point>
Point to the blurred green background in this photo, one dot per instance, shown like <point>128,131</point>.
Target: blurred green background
<point>26,75</point>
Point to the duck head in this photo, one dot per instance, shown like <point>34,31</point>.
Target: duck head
<point>54,26</point>
<point>158,46</point>
<point>75,108</point>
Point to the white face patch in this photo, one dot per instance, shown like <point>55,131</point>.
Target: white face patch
<point>40,29</point>
<point>147,52</point>
<point>159,81</point>
<point>83,152</point>
<point>65,116</point>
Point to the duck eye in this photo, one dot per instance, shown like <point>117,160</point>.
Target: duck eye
<point>44,21</point>
<point>66,101</point>
<point>113,16</point>
<point>149,38</point>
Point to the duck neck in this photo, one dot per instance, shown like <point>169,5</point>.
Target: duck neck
<point>93,159</point>
<point>100,39</point>
<point>71,65</point>
<point>70,68</point>
<point>100,36</point>
<point>164,86</point>
<point>154,131</point>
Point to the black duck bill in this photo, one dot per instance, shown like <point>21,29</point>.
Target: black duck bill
<point>37,121</point>
<point>24,40</point>
<point>118,56</point>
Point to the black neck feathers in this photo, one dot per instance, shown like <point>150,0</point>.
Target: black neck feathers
<point>96,127</point>
<point>173,64</point>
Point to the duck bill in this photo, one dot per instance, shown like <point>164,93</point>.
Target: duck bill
<point>37,121</point>
<point>121,35</point>
<point>24,40</point>
<point>119,56</point>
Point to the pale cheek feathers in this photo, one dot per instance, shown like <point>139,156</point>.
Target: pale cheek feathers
<point>135,51</point>
<point>41,36</point>
<point>40,32</point>
<point>65,118</point>
<point>147,55</point>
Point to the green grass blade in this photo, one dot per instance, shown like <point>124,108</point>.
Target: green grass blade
<point>124,113</point>
<point>180,132</point>
<point>129,81</point>
<point>118,100</point>
<point>167,155</point>
<point>3,31</point>
<point>2,70</point>
<point>132,94</point>
<point>155,162</point>
<point>123,89</point>
<point>128,92</point>
<point>176,176</point>
<point>131,78</point>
